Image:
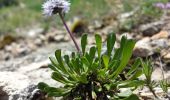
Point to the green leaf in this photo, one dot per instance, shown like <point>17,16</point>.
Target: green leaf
<point>164,85</point>
<point>88,57</point>
<point>110,86</point>
<point>72,68</point>
<point>86,64</point>
<point>57,92</point>
<point>98,44</point>
<point>73,55</point>
<point>118,54</point>
<point>52,67</point>
<point>56,65</point>
<point>75,65</point>
<point>42,86</point>
<point>85,61</point>
<point>63,68</point>
<point>132,97</point>
<point>83,78</point>
<point>58,57</point>
<point>147,69</point>
<point>79,65</point>
<point>60,78</point>
<point>113,65</point>
<point>67,59</point>
<point>102,73</point>
<point>134,66</point>
<point>106,61</point>
<point>94,66</point>
<point>54,62</point>
<point>127,48</point>
<point>83,43</point>
<point>131,83</point>
<point>135,75</point>
<point>110,43</point>
<point>92,54</point>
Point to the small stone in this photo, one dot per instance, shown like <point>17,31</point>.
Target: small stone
<point>160,43</point>
<point>151,28</point>
<point>143,48</point>
<point>161,34</point>
<point>167,58</point>
<point>42,37</point>
<point>22,50</point>
<point>55,37</point>
<point>66,37</point>
<point>32,46</point>
<point>38,42</point>
<point>8,48</point>
<point>106,30</point>
<point>35,32</point>
<point>59,38</point>
<point>97,24</point>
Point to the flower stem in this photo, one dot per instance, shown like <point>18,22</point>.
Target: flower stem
<point>70,33</point>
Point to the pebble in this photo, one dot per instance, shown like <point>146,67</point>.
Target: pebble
<point>166,57</point>
<point>59,38</point>
<point>159,44</point>
<point>34,32</point>
<point>151,28</point>
<point>161,34</point>
<point>142,48</point>
<point>38,42</point>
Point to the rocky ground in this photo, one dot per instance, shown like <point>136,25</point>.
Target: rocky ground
<point>24,61</point>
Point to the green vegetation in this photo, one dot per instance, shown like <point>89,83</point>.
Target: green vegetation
<point>143,9</point>
<point>93,75</point>
<point>28,13</point>
<point>23,14</point>
<point>4,3</point>
<point>88,8</point>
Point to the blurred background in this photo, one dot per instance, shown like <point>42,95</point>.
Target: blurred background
<point>22,20</point>
<point>17,16</point>
<point>27,38</point>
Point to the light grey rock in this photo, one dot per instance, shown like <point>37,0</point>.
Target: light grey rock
<point>151,28</point>
<point>16,86</point>
<point>166,57</point>
<point>160,43</point>
<point>143,48</point>
<point>34,32</point>
<point>38,42</point>
<point>59,38</point>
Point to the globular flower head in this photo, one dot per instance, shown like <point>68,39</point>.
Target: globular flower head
<point>51,7</point>
<point>168,5</point>
<point>159,5</point>
<point>162,5</point>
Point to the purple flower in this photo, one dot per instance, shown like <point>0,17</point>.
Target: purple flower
<point>51,7</point>
<point>159,5</point>
<point>162,5</point>
<point>168,5</point>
